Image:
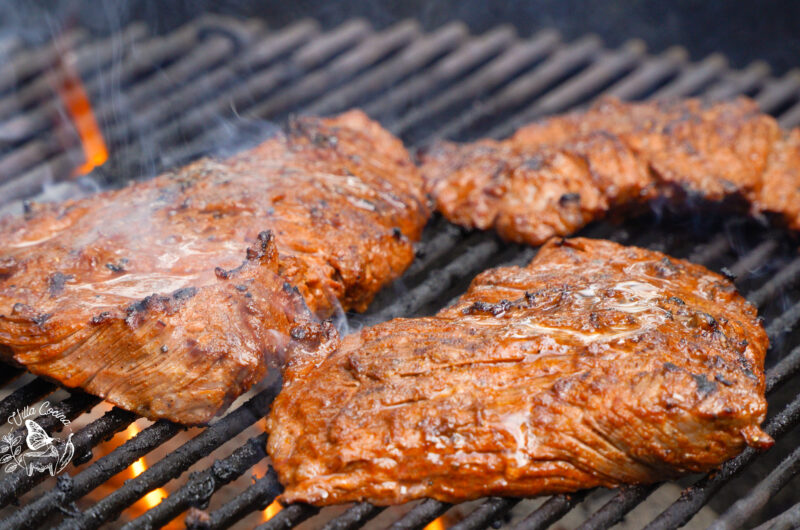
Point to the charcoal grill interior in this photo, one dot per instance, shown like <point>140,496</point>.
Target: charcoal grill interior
<point>216,85</point>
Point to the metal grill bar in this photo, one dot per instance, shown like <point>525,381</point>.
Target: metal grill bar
<point>9,45</point>
<point>778,92</point>
<point>367,53</point>
<point>551,511</point>
<point>30,182</point>
<point>355,517</point>
<point>756,257</point>
<point>185,95</point>
<point>788,520</point>
<point>258,496</point>
<point>29,124</point>
<point>421,514</point>
<point>19,124</point>
<point>201,486</point>
<point>787,368</point>
<point>649,75</point>
<point>506,66</point>
<point>103,428</point>
<point>25,156</point>
<point>790,118</point>
<point>16,73</point>
<point>487,513</point>
<point>290,517</point>
<point>603,66</point>
<point>785,322</point>
<point>87,61</point>
<point>438,282</point>
<point>787,277</point>
<point>33,391</point>
<point>760,495</point>
<point>271,48</point>
<point>556,67</point>
<point>736,83</point>
<point>279,104</point>
<point>451,68</point>
<point>205,57</point>
<point>151,54</point>
<point>311,56</point>
<point>615,509</point>
<point>9,374</point>
<point>707,253</point>
<point>608,66</point>
<point>693,78</point>
<point>413,58</point>
<point>446,237</point>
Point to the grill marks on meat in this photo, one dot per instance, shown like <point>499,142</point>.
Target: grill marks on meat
<point>347,216</point>
<point>595,365</point>
<point>171,297</point>
<point>555,176</point>
<point>183,352</point>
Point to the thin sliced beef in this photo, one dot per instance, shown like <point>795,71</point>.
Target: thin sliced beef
<point>555,176</point>
<point>595,365</point>
<point>171,297</point>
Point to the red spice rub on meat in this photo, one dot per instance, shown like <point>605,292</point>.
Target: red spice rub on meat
<point>171,297</point>
<point>555,176</point>
<point>595,365</point>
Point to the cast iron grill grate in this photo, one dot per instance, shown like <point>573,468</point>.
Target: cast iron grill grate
<point>164,100</point>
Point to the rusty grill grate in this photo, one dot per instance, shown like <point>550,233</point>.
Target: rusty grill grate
<point>164,100</point>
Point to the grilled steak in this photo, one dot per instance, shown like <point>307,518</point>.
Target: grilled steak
<point>170,297</point>
<point>555,176</point>
<point>595,365</point>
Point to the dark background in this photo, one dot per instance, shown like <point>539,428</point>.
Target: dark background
<point>744,31</point>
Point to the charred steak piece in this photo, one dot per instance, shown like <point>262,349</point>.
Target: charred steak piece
<point>170,297</point>
<point>555,176</point>
<point>595,365</point>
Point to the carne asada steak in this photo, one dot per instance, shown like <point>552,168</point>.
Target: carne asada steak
<point>595,365</point>
<point>555,176</point>
<point>141,296</point>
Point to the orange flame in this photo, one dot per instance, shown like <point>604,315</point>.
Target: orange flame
<point>137,468</point>
<point>80,109</point>
<point>436,524</point>
<point>271,511</point>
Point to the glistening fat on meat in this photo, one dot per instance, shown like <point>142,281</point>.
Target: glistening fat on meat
<point>171,297</point>
<point>595,365</point>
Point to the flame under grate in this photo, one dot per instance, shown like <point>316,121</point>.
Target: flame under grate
<point>160,101</point>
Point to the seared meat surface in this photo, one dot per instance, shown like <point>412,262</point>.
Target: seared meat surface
<point>595,365</point>
<point>555,176</point>
<point>171,297</point>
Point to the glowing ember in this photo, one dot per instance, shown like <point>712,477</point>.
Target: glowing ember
<point>272,510</point>
<point>436,524</point>
<point>77,104</point>
<point>137,468</point>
